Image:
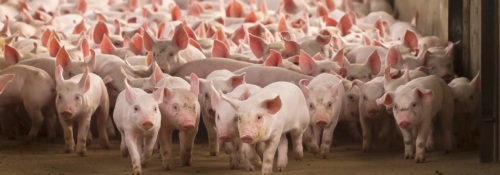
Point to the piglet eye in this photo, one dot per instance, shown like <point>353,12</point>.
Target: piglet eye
<point>218,117</point>
<point>156,109</point>
<point>136,108</point>
<point>395,107</point>
<point>59,96</point>
<point>329,104</point>
<point>350,97</point>
<point>364,97</point>
<point>322,70</point>
<point>413,105</point>
<point>77,97</point>
<point>259,117</point>
<point>171,54</point>
<point>206,95</point>
<point>311,106</point>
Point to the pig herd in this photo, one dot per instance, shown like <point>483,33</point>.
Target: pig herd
<point>253,71</point>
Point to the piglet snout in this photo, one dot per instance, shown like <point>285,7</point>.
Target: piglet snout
<point>246,139</point>
<point>66,114</point>
<point>147,124</point>
<point>321,123</point>
<point>404,124</point>
<point>188,127</point>
<point>224,138</point>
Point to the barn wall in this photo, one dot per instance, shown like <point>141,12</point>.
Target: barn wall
<point>433,19</point>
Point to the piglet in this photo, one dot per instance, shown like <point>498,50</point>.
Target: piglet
<point>78,99</point>
<point>415,105</point>
<point>138,118</point>
<point>225,81</point>
<point>227,128</point>
<point>373,117</point>
<point>267,115</point>
<point>180,110</point>
<point>325,95</point>
<point>466,98</point>
<point>32,88</point>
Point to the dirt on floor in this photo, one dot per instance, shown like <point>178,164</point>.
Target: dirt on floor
<point>43,158</point>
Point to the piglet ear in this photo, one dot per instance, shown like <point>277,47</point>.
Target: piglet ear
<point>148,41</point>
<point>130,95</point>
<point>393,57</point>
<point>215,97</point>
<point>386,99</point>
<point>59,74</point>
<point>476,82</point>
<point>233,102</point>
<point>273,105</point>
<point>245,94</point>
<point>158,95</point>
<point>195,84</point>
<point>374,63</point>
<point>306,63</point>
<point>338,89</point>
<point>425,95</point>
<point>411,39</point>
<point>303,86</point>
<point>85,81</point>
<point>181,38</point>
<point>257,45</point>
<point>237,80</point>
<point>274,58</point>
<point>360,84</point>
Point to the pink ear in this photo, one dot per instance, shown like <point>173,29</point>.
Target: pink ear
<point>345,24</point>
<point>306,63</point>
<point>201,31</point>
<point>133,4</point>
<point>161,30</point>
<point>214,97</point>
<point>5,79</point>
<point>91,60</point>
<point>11,55</point>
<point>195,44</point>
<point>137,44</point>
<point>386,99</point>
<point>82,6</point>
<point>158,95</point>
<point>337,88</point>
<point>410,39</point>
<point>62,58</point>
<point>449,50</point>
<point>80,27</point>
<point>380,26</point>
<point>426,95</point>
<point>59,74</point>
<point>238,34</point>
<point>322,10</point>
<point>99,30</point>
<point>176,13</point>
<point>149,58</point>
<point>118,29</point>
<point>330,21</point>
<point>189,32</point>
<point>106,46</point>
<point>237,80</point>
<point>220,50</point>
<point>393,56</point>
<point>282,25</point>
<point>339,57</point>
<point>317,57</point>
<point>148,41</point>
<point>245,94</point>
<point>291,47</point>
<point>195,9</point>
<point>234,9</point>
<point>129,94</point>
<point>45,37</point>
<point>251,18</point>
<point>157,74</point>
<point>84,82</point>
<point>273,105</point>
<point>374,62</point>
<point>274,58</point>
<point>84,47</point>
<point>289,5</point>
<point>54,46</point>
<point>387,73</point>
<point>476,82</point>
<point>360,84</point>
<point>304,88</point>
<point>167,94</point>
<point>257,45</point>
<point>180,39</point>
<point>195,84</point>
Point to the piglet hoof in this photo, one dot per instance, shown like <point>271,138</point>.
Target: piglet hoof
<point>81,153</point>
<point>233,166</point>
<point>408,156</point>
<point>214,153</point>
<point>420,159</point>
<point>281,168</point>
<point>250,168</point>
<point>137,172</point>
<point>167,167</point>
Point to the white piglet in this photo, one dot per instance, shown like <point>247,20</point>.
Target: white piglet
<point>267,115</point>
<point>80,98</point>
<point>415,105</point>
<point>138,118</point>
